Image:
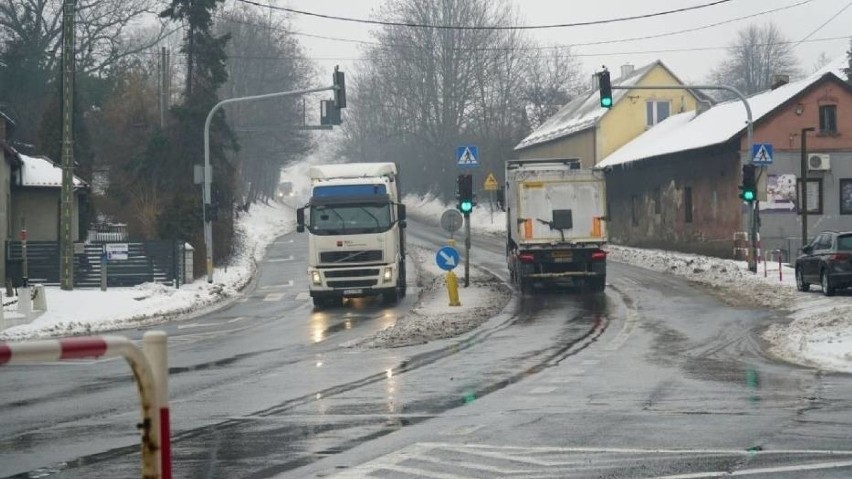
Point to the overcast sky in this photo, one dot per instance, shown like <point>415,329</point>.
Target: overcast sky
<point>797,23</point>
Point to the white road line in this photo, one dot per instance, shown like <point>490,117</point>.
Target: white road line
<point>762,470</point>
<point>238,318</point>
<point>743,452</point>
<point>196,325</point>
<point>542,390</point>
<point>422,473</point>
<point>280,260</point>
<point>303,296</point>
<point>626,330</point>
<point>276,286</point>
<point>470,465</point>
<point>274,297</point>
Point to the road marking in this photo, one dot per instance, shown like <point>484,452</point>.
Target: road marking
<point>238,318</point>
<point>542,390</point>
<point>280,260</point>
<point>762,470</point>
<point>276,286</point>
<point>462,431</point>
<point>632,317</point>
<point>274,297</point>
<point>196,325</point>
<point>303,296</point>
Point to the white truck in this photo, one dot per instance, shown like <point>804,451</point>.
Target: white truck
<point>556,231</point>
<point>356,233</point>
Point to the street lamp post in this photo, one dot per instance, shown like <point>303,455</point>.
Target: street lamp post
<point>208,172</point>
<point>803,202</point>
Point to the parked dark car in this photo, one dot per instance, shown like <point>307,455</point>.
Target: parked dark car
<point>826,260</point>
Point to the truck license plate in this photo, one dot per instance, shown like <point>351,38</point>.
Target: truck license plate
<point>563,256</point>
<point>353,291</point>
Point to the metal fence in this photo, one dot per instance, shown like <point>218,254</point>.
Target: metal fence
<point>147,261</point>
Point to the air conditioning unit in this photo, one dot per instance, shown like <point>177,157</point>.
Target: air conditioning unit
<point>819,161</point>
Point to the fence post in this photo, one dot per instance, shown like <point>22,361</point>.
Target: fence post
<point>103,268</point>
<point>155,347</point>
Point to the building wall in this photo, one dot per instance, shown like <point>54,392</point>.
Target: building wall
<point>627,118</point>
<point>781,226</point>
<point>580,145</point>
<point>712,175</point>
<point>39,207</point>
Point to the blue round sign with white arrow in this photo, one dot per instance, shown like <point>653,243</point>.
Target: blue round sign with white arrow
<point>447,258</point>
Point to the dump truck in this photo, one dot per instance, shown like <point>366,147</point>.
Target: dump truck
<point>556,224</point>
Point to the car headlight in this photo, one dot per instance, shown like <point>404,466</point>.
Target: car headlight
<point>388,274</point>
<point>316,277</point>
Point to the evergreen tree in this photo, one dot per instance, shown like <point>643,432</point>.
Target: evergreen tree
<point>205,73</point>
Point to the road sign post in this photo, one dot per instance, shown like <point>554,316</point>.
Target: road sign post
<point>447,258</point>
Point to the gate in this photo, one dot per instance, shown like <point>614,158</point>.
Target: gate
<point>147,261</point>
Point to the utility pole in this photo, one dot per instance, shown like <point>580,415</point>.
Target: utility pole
<point>803,201</point>
<point>66,243</point>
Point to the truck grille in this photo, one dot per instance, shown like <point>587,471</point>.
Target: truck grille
<point>351,273</point>
<point>353,283</point>
<point>363,256</point>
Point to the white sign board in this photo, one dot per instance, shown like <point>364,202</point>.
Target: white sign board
<point>116,251</point>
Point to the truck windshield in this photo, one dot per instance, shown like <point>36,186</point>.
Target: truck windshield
<point>350,219</point>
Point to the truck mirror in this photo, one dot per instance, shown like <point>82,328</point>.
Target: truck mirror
<point>401,212</point>
<point>300,220</point>
<point>402,224</point>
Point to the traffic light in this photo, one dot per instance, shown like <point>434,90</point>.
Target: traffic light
<point>605,88</point>
<point>748,190</point>
<point>339,89</point>
<point>465,193</point>
<point>329,114</point>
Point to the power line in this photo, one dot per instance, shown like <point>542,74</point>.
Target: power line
<point>554,47</point>
<point>826,22</point>
<point>463,27</point>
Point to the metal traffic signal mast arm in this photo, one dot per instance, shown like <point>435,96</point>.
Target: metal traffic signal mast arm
<point>752,257</point>
<point>339,89</point>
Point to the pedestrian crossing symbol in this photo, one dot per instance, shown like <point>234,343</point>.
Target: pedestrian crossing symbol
<point>467,156</point>
<point>761,154</point>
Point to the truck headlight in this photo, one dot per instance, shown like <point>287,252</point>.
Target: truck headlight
<point>316,278</point>
<point>388,275</point>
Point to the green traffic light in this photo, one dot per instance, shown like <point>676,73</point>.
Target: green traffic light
<point>466,206</point>
<point>606,102</point>
<point>748,195</point>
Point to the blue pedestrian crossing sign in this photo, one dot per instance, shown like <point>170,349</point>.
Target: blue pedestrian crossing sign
<point>467,156</point>
<point>447,258</point>
<point>761,154</point>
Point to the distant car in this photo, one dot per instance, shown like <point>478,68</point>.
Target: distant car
<point>826,260</point>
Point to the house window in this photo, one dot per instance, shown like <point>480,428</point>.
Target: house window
<point>846,196</point>
<point>658,201</point>
<point>687,204</point>
<point>635,209</point>
<point>828,119</point>
<point>656,111</point>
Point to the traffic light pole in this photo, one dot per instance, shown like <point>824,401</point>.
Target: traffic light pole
<point>208,173</point>
<point>466,250</point>
<point>753,207</point>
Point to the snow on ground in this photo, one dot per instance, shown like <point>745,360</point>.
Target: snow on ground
<point>432,317</point>
<point>820,333</point>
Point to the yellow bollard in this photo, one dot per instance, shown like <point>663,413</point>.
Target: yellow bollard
<point>453,288</point>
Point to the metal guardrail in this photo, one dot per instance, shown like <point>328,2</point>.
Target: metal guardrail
<point>150,370</point>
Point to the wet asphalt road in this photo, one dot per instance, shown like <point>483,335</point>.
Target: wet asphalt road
<point>653,378</point>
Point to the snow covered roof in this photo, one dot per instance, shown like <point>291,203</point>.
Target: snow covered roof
<point>582,112</point>
<point>721,123</point>
<point>40,171</point>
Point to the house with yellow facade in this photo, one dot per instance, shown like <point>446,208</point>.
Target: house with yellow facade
<point>583,129</point>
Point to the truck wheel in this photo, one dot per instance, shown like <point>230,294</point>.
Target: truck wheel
<point>390,297</point>
<point>401,283</point>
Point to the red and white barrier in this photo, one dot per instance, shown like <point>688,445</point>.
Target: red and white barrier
<point>150,368</point>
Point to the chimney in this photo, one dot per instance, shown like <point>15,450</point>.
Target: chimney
<point>780,80</point>
<point>626,70</point>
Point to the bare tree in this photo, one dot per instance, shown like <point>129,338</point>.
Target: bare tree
<point>264,58</point>
<point>552,76</point>
<point>822,60</point>
<point>105,30</point>
<point>755,57</point>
